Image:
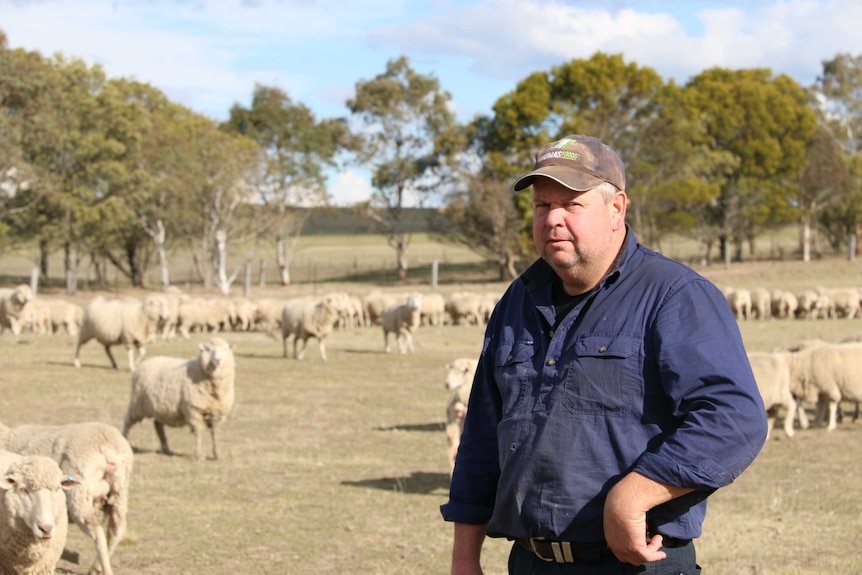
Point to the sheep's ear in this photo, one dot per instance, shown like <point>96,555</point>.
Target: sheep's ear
<point>7,482</point>
<point>69,482</point>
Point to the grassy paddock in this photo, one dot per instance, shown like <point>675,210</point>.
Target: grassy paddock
<point>340,467</point>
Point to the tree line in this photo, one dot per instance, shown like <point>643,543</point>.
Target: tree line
<point>111,173</point>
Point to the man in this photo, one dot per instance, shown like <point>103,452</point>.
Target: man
<point>613,392</point>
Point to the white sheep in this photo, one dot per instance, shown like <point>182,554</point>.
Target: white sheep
<point>177,392</point>
<point>304,318</point>
<point>459,381</point>
<point>464,307</point>
<point>761,303</point>
<point>65,315</point>
<point>202,315</point>
<point>12,303</point>
<point>772,374</point>
<point>784,304</point>
<point>402,320</point>
<point>96,455</point>
<point>739,300</point>
<point>127,322</point>
<point>267,314</point>
<point>33,516</point>
<point>433,309</point>
<point>835,372</point>
<point>375,303</point>
<point>243,314</point>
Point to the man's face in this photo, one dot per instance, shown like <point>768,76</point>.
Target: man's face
<point>574,231</point>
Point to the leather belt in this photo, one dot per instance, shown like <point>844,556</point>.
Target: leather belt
<point>569,552</point>
<point>564,551</point>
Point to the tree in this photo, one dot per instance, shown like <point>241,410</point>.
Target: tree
<point>403,128</point>
<point>764,122</point>
<point>297,149</point>
<point>839,94</point>
<point>487,220</point>
<point>602,96</point>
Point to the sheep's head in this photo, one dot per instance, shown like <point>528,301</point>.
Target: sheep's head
<point>460,372</point>
<point>34,485</point>
<point>215,353</point>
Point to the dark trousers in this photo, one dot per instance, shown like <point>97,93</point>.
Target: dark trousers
<point>679,561</point>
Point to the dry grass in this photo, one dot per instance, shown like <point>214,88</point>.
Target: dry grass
<point>340,467</point>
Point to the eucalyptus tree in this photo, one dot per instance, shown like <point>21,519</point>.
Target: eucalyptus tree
<point>297,150</point>
<point>764,122</point>
<point>403,135</point>
<point>836,191</point>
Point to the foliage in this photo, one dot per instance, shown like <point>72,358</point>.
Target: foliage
<point>404,132</point>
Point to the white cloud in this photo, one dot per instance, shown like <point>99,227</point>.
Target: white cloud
<point>348,188</point>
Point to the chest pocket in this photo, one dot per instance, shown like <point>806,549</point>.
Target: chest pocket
<point>513,366</point>
<point>605,375</point>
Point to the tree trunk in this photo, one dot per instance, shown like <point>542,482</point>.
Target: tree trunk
<point>43,257</point>
<point>69,269</point>
<point>283,263</point>
<point>165,278</point>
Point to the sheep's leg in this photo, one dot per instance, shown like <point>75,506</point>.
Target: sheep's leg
<point>803,417</point>
<point>789,417</point>
<point>130,351</point>
<point>322,349</point>
<point>284,346</point>
<point>386,341</point>
<point>163,439</point>
<point>298,348</point>
<point>77,361</point>
<point>102,564</point>
<point>199,444</point>
<point>110,356</point>
<point>215,444</point>
<point>833,415</point>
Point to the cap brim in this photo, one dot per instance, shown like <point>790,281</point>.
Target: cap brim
<point>573,179</point>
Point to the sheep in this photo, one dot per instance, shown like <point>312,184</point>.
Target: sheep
<point>813,305</point>
<point>835,372</point>
<point>772,374</point>
<point>35,317</point>
<point>267,314</point>
<point>464,307</point>
<point>784,304</point>
<point>375,303</point>
<point>12,304</point>
<point>845,302</point>
<point>101,459</point>
<point>761,303</point>
<point>204,315</point>
<point>303,318</point>
<point>740,303</point>
<point>433,309</point>
<point>65,315</point>
<point>33,517</point>
<point>402,320</point>
<point>176,392</point>
<point>114,322</point>
<point>459,381</point>
<point>243,314</point>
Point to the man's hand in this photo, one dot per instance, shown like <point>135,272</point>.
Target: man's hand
<point>625,517</point>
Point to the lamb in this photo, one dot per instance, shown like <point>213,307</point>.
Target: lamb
<point>402,320</point>
<point>176,392</point>
<point>772,374</point>
<point>33,517</point>
<point>459,380</point>
<point>12,304</point>
<point>303,318</point>
<point>127,322</point>
<point>101,460</point>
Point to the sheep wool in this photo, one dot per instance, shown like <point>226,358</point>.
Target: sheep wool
<point>116,322</point>
<point>177,392</point>
<point>459,381</point>
<point>12,304</point>
<point>303,319</point>
<point>33,518</point>
<point>101,460</point>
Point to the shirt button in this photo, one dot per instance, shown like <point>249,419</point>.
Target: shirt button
<point>603,349</point>
<point>552,362</point>
<point>551,333</point>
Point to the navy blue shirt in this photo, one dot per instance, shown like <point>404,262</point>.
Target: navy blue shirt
<point>647,373</point>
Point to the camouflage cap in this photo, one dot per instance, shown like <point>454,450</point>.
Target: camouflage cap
<point>578,162</point>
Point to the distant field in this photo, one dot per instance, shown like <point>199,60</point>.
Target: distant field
<point>340,467</point>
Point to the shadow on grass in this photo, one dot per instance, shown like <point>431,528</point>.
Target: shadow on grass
<point>435,427</point>
<point>418,482</point>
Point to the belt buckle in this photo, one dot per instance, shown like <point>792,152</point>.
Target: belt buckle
<point>562,551</point>
<point>536,550</point>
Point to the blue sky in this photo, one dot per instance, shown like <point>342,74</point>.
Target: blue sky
<point>208,54</point>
